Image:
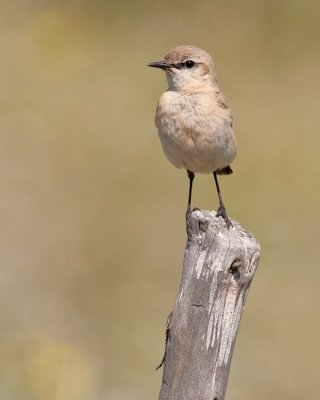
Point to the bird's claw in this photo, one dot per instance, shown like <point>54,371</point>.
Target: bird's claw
<point>188,215</point>
<point>221,212</point>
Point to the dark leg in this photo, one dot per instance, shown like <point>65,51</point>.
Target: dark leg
<point>191,177</point>
<point>221,212</point>
<point>188,213</point>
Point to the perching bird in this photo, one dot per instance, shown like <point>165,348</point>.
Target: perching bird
<point>194,123</point>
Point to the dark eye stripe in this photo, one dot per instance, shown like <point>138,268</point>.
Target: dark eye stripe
<point>186,64</point>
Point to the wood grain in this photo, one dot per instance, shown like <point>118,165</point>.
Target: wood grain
<point>219,265</point>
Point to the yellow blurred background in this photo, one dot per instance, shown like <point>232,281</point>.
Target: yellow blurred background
<point>92,214</point>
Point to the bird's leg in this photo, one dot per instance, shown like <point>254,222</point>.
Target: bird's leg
<point>188,213</point>
<point>221,212</point>
<point>191,177</point>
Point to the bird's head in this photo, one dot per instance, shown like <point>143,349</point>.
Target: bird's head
<point>188,68</point>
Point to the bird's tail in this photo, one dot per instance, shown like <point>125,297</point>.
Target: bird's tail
<point>224,171</point>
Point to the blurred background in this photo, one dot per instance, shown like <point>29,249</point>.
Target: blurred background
<point>93,215</point>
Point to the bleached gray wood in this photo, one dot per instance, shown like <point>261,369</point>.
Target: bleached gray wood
<point>219,265</point>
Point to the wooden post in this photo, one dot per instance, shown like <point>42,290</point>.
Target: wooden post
<point>219,265</point>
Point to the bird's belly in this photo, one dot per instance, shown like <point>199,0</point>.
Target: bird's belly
<point>202,147</point>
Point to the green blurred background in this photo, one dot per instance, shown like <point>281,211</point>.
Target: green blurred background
<point>92,214</point>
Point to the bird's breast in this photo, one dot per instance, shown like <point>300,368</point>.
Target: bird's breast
<point>195,132</point>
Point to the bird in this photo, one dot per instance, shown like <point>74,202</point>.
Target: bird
<point>193,120</point>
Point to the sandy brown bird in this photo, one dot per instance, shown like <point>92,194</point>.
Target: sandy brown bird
<point>194,123</point>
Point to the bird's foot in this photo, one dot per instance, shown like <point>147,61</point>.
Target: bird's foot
<point>221,212</point>
<point>188,215</point>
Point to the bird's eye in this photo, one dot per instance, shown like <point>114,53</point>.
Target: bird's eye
<point>189,63</point>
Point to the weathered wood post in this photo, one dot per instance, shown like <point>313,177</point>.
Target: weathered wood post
<point>219,264</point>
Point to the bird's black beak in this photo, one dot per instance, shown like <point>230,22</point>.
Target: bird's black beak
<point>159,64</point>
